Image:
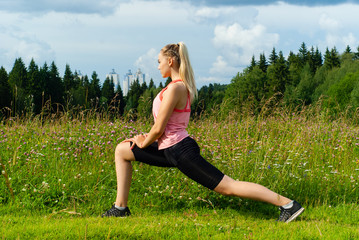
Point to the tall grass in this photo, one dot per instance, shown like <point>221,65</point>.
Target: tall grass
<point>67,164</point>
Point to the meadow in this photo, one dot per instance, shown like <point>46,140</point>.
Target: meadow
<point>58,177</point>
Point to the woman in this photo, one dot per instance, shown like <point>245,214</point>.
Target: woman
<point>169,145</point>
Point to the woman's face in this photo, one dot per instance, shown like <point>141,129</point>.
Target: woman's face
<point>164,63</point>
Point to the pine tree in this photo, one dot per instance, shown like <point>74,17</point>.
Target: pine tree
<point>263,65</point>
<point>278,76</point>
<point>94,89</point>
<point>317,59</point>
<point>303,54</point>
<point>55,86</point>
<point>19,86</point>
<point>18,75</point>
<point>294,69</point>
<point>35,86</point>
<point>133,96</point>
<point>69,81</point>
<point>348,49</point>
<point>107,92</point>
<point>143,87</point>
<point>253,63</point>
<point>356,54</point>
<point>152,84</point>
<point>86,86</point>
<point>119,100</point>
<point>273,57</point>
<point>5,93</point>
<point>331,58</point>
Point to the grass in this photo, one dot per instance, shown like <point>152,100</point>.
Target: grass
<point>316,223</point>
<point>58,177</point>
<point>189,224</point>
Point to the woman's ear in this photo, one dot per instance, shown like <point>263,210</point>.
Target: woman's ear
<point>170,61</point>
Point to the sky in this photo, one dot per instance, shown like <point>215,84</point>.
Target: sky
<point>221,36</point>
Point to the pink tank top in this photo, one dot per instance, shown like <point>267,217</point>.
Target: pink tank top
<point>175,130</point>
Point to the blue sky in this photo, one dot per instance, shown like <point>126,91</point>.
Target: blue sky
<point>222,36</point>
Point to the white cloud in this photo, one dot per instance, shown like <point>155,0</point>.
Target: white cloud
<point>225,15</point>
<point>220,66</point>
<point>350,40</point>
<point>238,44</point>
<point>335,32</point>
<point>327,23</point>
<point>15,43</point>
<point>148,64</point>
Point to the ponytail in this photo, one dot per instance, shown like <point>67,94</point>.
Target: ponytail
<point>180,54</point>
<point>186,71</point>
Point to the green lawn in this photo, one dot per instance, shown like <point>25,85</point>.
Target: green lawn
<point>324,222</point>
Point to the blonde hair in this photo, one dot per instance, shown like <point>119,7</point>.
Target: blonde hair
<point>180,54</point>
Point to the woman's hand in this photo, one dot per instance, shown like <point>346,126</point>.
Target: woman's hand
<point>136,140</point>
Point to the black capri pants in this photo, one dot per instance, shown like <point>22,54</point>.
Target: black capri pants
<point>185,156</point>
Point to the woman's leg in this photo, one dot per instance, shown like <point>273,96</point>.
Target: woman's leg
<point>230,187</point>
<point>123,158</point>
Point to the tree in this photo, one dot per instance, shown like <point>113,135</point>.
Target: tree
<point>19,85</point>
<point>69,81</point>
<point>54,86</point>
<point>5,93</point>
<point>303,54</point>
<point>354,96</point>
<point>253,63</point>
<point>273,57</point>
<point>356,54</point>
<point>35,87</point>
<point>152,84</point>
<point>348,49</point>
<point>119,100</point>
<point>341,91</point>
<point>304,91</point>
<point>278,76</point>
<point>107,92</point>
<point>295,69</point>
<point>316,60</point>
<point>18,75</point>
<point>263,65</point>
<point>331,58</point>
<point>94,93</point>
<point>133,96</point>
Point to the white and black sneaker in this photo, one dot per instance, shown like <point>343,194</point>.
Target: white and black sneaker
<point>115,212</point>
<point>289,214</point>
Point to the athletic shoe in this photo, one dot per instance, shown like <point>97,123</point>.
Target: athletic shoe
<point>115,212</point>
<point>287,215</point>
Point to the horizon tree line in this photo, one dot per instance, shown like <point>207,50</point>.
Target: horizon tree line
<point>301,79</point>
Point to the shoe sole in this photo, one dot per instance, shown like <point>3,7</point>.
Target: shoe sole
<point>295,215</point>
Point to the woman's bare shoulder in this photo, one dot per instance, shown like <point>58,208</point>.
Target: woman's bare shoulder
<point>177,87</point>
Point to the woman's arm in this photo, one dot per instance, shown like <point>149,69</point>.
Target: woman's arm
<point>170,99</point>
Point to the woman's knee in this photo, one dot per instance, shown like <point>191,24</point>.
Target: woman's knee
<point>225,187</point>
<point>123,152</point>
